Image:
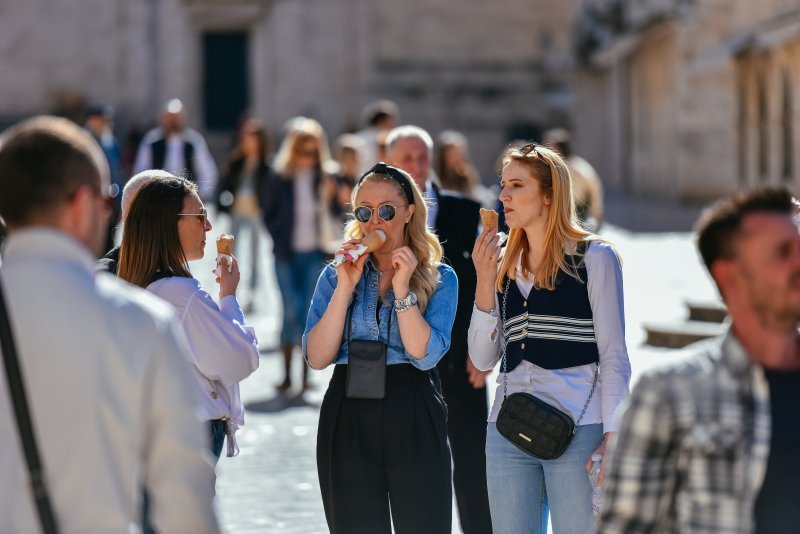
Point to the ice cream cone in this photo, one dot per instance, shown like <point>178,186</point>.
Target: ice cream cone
<point>489,218</point>
<point>374,240</point>
<point>225,244</point>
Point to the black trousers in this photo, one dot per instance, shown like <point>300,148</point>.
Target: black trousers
<point>466,427</point>
<point>384,462</point>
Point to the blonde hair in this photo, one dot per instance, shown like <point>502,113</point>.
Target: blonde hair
<point>562,230</point>
<point>416,235</point>
<point>301,129</point>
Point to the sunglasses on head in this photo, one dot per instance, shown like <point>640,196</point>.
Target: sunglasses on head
<point>531,149</point>
<point>202,216</point>
<point>386,212</point>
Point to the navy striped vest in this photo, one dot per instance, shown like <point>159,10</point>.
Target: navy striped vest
<point>552,329</point>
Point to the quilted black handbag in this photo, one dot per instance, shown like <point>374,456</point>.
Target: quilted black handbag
<point>533,426</point>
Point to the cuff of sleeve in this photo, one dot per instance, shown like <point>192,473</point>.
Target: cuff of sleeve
<point>230,308</point>
<point>484,313</point>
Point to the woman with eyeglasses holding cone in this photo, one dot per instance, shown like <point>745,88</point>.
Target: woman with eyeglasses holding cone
<point>549,308</point>
<point>384,321</point>
<point>165,229</point>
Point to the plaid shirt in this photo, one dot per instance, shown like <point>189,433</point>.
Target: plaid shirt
<point>693,446</point>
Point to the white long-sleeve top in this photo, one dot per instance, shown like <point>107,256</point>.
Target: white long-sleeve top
<point>568,389</point>
<point>223,347</point>
<point>110,393</point>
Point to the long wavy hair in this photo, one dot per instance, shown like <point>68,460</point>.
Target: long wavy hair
<point>562,230</point>
<point>422,242</point>
<point>150,239</point>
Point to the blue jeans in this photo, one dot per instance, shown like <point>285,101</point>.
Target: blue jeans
<point>297,279</point>
<point>216,429</point>
<point>522,489</point>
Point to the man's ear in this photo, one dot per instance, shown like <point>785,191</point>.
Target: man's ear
<point>76,217</point>
<point>726,274</point>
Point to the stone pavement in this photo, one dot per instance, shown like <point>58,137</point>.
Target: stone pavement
<point>271,487</point>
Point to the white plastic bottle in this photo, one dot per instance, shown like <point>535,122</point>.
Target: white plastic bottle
<point>597,491</point>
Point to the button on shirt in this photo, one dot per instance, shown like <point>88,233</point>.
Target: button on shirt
<point>439,314</point>
<point>568,389</point>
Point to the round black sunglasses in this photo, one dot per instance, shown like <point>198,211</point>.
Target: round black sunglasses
<point>385,211</point>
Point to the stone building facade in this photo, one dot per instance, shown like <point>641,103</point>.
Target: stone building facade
<point>494,70</point>
<point>689,99</point>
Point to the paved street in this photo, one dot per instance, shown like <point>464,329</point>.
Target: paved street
<point>271,487</point>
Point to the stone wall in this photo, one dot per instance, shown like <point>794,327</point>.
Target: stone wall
<point>490,69</point>
<point>703,95</point>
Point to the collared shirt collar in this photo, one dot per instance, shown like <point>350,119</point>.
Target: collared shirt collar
<point>43,242</point>
<point>734,356</point>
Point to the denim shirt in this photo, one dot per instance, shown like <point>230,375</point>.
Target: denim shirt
<point>439,314</point>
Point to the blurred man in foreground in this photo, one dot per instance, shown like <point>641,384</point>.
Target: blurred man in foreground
<point>709,443</point>
<point>104,366</point>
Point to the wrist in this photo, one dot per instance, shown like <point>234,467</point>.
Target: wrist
<point>401,291</point>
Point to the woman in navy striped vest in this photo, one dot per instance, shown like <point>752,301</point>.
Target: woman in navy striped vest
<point>555,294</point>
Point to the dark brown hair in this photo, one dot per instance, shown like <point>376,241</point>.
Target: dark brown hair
<point>43,161</point>
<point>150,242</point>
<point>719,224</point>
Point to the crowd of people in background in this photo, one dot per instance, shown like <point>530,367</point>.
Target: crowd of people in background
<point>412,330</point>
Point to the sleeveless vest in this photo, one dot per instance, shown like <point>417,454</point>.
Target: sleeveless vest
<point>552,329</point>
<point>159,155</point>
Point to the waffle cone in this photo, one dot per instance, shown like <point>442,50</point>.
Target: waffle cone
<point>225,244</point>
<point>489,218</point>
<point>374,240</point>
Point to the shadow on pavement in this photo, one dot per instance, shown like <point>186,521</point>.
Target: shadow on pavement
<point>279,403</point>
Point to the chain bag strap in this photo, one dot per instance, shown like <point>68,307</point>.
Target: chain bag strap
<point>532,425</point>
<point>22,414</point>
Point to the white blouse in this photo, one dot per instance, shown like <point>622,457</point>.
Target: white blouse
<point>224,348</point>
<point>568,389</point>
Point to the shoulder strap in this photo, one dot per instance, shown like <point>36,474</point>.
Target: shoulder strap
<point>16,389</point>
<point>504,342</point>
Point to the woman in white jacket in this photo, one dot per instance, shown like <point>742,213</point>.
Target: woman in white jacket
<point>165,229</point>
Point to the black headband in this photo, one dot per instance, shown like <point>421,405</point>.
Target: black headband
<point>395,174</point>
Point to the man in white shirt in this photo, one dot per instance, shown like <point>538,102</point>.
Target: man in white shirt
<point>103,363</point>
<point>178,150</point>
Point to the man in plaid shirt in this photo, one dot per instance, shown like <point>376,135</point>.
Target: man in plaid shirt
<point>711,443</point>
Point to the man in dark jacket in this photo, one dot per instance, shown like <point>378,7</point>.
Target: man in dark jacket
<point>455,219</point>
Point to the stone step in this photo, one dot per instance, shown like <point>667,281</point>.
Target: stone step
<point>713,311</point>
<point>679,334</point>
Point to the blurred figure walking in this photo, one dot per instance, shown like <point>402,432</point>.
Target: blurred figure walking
<point>380,118</point>
<point>178,150</point>
<point>295,213</point>
<point>242,190</point>
<point>98,124</point>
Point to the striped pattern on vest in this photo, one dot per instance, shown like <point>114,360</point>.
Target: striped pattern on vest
<point>551,329</point>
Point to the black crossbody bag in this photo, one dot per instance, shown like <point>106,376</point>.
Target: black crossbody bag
<point>366,364</point>
<point>533,426</point>
<point>22,414</point>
